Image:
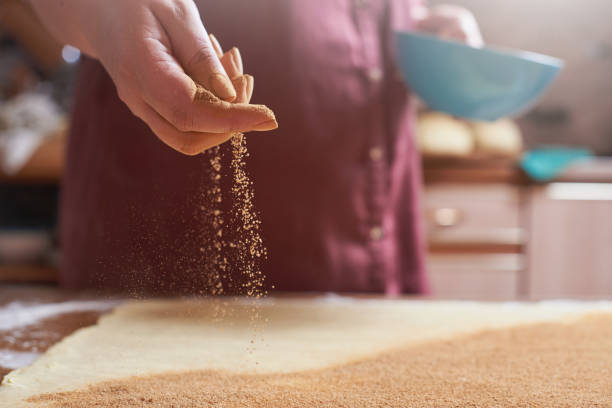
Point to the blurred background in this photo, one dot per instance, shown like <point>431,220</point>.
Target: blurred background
<point>514,209</point>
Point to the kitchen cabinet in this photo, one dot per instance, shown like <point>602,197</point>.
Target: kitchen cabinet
<point>570,248</point>
<point>485,216</point>
<point>475,230</point>
<point>476,240</point>
<point>476,276</point>
<point>493,234</point>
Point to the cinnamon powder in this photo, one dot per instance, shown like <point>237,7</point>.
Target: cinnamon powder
<point>545,365</point>
<point>241,254</point>
<point>233,248</point>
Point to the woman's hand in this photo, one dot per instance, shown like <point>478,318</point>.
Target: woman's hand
<point>450,22</point>
<point>157,53</point>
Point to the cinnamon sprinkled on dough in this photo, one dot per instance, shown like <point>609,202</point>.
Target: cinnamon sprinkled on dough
<point>545,365</point>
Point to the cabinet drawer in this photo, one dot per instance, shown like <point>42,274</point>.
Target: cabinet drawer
<point>481,276</point>
<point>570,241</point>
<point>473,214</point>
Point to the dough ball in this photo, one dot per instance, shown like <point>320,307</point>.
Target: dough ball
<point>441,134</point>
<point>502,137</point>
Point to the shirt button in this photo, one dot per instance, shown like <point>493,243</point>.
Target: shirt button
<point>376,153</point>
<point>375,75</point>
<point>376,233</point>
<point>361,3</point>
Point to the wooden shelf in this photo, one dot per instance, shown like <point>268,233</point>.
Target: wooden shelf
<point>478,168</point>
<point>45,166</point>
<point>28,274</point>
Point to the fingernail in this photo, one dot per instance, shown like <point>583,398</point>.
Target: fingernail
<point>216,45</point>
<point>222,87</point>
<point>236,59</point>
<point>267,125</point>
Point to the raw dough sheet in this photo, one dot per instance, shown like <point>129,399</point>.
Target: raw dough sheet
<point>149,337</point>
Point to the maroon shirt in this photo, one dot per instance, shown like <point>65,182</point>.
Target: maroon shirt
<point>337,185</point>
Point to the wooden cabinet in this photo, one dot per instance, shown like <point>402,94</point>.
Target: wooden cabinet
<point>485,216</point>
<point>476,237</point>
<point>476,276</point>
<point>514,239</point>
<point>570,248</point>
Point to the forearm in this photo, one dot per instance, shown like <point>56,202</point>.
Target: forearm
<point>65,19</point>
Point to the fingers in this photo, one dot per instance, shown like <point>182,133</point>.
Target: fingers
<point>216,46</point>
<point>189,143</point>
<point>240,85</point>
<point>244,88</point>
<point>193,47</point>
<point>159,81</point>
<point>454,32</point>
<point>241,113</point>
<point>173,94</point>
<point>450,22</point>
<point>232,62</point>
<point>250,85</point>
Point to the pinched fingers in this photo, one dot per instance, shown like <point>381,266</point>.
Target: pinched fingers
<point>188,143</point>
<point>242,110</point>
<point>232,62</point>
<point>193,47</point>
<point>250,86</point>
<point>243,92</point>
<point>190,109</point>
<point>216,45</point>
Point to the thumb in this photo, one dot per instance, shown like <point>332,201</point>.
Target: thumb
<point>193,48</point>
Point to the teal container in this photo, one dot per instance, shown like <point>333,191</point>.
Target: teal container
<point>473,83</point>
<point>546,163</point>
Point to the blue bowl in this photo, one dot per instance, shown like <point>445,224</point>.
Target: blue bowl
<point>473,83</point>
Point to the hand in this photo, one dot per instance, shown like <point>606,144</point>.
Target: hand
<point>157,52</point>
<point>450,22</point>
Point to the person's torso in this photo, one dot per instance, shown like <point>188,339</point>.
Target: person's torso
<point>335,184</point>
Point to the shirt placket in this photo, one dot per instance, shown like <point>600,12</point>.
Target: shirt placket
<point>367,15</point>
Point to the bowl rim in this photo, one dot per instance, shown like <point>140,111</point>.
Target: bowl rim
<point>535,57</point>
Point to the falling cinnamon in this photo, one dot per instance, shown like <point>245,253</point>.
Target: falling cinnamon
<point>250,249</point>
<point>234,248</point>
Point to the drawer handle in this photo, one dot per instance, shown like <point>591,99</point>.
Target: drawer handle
<point>447,217</point>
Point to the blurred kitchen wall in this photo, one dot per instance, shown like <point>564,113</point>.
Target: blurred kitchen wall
<point>577,110</point>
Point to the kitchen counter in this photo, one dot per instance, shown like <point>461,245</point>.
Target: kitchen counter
<point>597,170</point>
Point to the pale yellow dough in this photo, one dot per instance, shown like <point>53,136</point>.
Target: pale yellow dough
<point>157,336</point>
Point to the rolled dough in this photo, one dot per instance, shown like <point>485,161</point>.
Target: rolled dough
<point>150,337</point>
